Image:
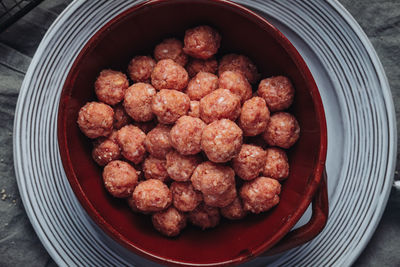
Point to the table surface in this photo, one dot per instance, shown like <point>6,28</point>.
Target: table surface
<point>19,244</point>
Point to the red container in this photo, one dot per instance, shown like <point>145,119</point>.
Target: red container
<point>135,32</point>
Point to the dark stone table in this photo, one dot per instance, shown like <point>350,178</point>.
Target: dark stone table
<point>19,245</point>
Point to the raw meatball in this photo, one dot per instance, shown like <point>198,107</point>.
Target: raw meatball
<point>194,110</point>
<point>113,136</point>
<point>250,162</point>
<point>131,140</point>
<point>110,86</point>
<point>168,74</point>
<point>137,101</point>
<point>105,151</point>
<point>146,126</point>
<point>221,200</point>
<point>260,194</point>
<point>140,68</point>
<point>120,178</point>
<point>184,197</point>
<point>185,135</point>
<point>241,64</point>
<point>157,141</point>
<point>277,91</point>
<point>180,167</point>
<point>152,196</point>
<point>196,65</point>
<point>170,105</point>
<point>201,85</point>
<point>121,118</point>
<point>201,42</point>
<point>204,216</point>
<point>221,140</point>
<point>171,49</point>
<point>234,211</point>
<point>96,119</point>
<point>237,83</point>
<point>169,222</point>
<point>283,130</point>
<point>220,104</point>
<point>276,164</point>
<point>254,116</point>
<point>155,168</point>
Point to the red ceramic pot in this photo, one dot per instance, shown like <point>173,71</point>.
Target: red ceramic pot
<point>135,32</point>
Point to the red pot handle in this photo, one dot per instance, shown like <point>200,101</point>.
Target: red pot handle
<point>310,230</point>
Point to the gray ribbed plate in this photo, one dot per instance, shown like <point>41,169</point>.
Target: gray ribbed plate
<point>357,102</point>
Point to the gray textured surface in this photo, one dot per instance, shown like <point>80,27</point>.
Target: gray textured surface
<point>19,245</point>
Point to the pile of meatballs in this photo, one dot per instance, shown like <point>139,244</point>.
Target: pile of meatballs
<point>188,140</point>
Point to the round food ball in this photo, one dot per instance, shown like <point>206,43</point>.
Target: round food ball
<point>220,200</point>
<point>137,101</point>
<point>201,42</point>
<point>171,49</point>
<point>169,222</point>
<point>170,105</point>
<point>185,135</point>
<point>96,119</point>
<point>152,196</point>
<point>155,168</point>
<point>260,194</point>
<point>194,110</point>
<point>168,74</point>
<point>276,164</point>
<point>201,85</point>
<point>240,64</point>
<point>110,86</point>
<point>204,216</point>
<point>184,197</point>
<point>120,178</point>
<point>283,130</point>
<point>237,83</point>
<point>196,65</point>
<point>254,116</point>
<point>234,211</point>
<point>278,92</point>
<point>221,140</point>
<point>121,118</point>
<point>180,167</point>
<point>220,104</point>
<point>140,69</point>
<point>157,141</point>
<point>131,140</point>
<point>105,151</point>
<point>250,162</point>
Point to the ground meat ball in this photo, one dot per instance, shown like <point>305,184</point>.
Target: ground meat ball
<point>113,136</point>
<point>105,151</point>
<point>196,65</point>
<point>241,64</point>
<point>250,162</point>
<point>120,178</point>
<point>110,86</point>
<point>221,140</point>
<point>131,140</point>
<point>254,116</point>
<point>170,105</point>
<point>180,167</point>
<point>155,168</point>
<point>283,130</point>
<point>201,85</point>
<point>96,119</point>
<point>278,92</point>
<point>201,42</point>
<point>121,118</point>
<point>169,222</point>
<point>237,83</point>
<point>140,68</point>
<point>221,200</point>
<point>137,101</point>
<point>171,49</point>
<point>185,135</point>
<point>204,216</point>
<point>276,164</point>
<point>157,141</point>
<point>152,196</point>
<point>260,194</point>
<point>234,211</point>
<point>168,74</point>
<point>184,197</point>
<point>220,104</point>
<point>194,110</point>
